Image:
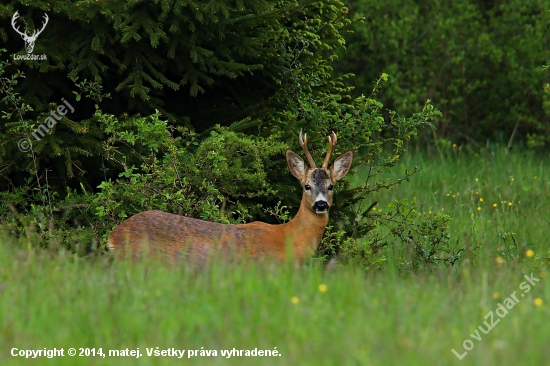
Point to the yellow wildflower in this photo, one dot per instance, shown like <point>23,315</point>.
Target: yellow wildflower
<point>537,301</point>
<point>323,287</point>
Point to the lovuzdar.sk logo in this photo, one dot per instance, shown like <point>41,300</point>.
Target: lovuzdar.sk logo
<point>29,39</point>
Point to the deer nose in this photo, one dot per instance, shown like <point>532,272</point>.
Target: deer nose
<point>320,206</point>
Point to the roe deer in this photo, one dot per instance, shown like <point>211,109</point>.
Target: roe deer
<point>176,237</point>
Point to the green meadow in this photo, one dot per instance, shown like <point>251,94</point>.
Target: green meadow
<point>499,203</point>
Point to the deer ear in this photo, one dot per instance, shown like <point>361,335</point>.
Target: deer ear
<point>295,164</point>
<point>341,166</point>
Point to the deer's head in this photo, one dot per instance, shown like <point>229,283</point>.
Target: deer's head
<point>318,183</point>
<point>29,39</point>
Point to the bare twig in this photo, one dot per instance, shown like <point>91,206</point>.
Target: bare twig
<point>513,134</point>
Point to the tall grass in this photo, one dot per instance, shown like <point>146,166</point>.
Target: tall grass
<point>499,201</point>
<point>314,317</point>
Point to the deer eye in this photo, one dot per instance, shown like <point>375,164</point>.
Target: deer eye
<point>307,187</point>
<point>330,187</point>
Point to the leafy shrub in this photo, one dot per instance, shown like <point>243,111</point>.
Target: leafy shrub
<point>480,62</point>
<point>214,180</point>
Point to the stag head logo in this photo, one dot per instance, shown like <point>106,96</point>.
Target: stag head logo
<point>29,39</point>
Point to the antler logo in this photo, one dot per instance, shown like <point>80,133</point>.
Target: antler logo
<point>29,39</point>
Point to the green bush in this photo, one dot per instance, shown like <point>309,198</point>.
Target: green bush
<point>480,63</point>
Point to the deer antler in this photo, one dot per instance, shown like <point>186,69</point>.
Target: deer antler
<point>330,150</point>
<point>35,34</point>
<point>303,144</point>
<point>16,28</point>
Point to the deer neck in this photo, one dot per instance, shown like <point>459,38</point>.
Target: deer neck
<point>306,230</point>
